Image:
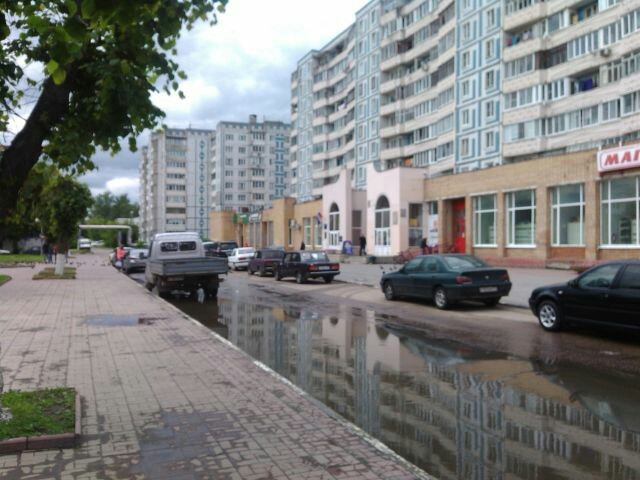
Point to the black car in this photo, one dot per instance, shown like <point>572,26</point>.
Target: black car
<point>265,261</point>
<point>447,279</point>
<point>307,264</point>
<point>607,294</point>
<point>219,249</point>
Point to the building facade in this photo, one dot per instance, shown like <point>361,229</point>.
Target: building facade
<point>174,182</point>
<point>249,164</point>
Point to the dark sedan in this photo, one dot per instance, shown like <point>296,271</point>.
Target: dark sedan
<point>607,294</point>
<point>265,261</point>
<point>447,279</point>
<point>307,264</point>
<point>135,260</point>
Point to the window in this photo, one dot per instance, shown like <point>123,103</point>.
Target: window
<point>601,277</point>
<point>521,218</point>
<point>415,224</point>
<point>490,49</point>
<point>382,231</point>
<point>490,110</point>
<point>466,60</point>
<point>466,118</point>
<point>567,215</point>
<point>620,211</point>
<point>464,147</point>
<point>466,88</point>
<point>491,18</point>
<point>490,80</point>
<point>484,220</point>
<point>631,278</point>
<point>306,225</point>
<point>334,225</point>
<point>490,141</point>
<point>466,32</point>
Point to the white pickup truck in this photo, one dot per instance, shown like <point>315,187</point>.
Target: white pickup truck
<point>177,261</point>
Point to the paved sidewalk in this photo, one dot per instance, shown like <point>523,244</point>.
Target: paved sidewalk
<point>165,398</point>
<point>523,279</point>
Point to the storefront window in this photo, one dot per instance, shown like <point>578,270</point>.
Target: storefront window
<point>415,224</point>
<point>567,215</point>
<point>521,218</point>
<point>484,220</point>
<point>306,225</point>
<point>620,211</point>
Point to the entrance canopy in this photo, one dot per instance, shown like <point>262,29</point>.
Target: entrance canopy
<point>108,227</point>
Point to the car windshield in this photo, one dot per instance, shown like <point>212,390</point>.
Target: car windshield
<point>272,254</point>
<point>245,251</point>
<point>463,262</point>
<point>228,245</point>
<point>314,257</point>
<point>138,253</point>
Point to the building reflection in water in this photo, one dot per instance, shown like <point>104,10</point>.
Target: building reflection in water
<point>454,412</point>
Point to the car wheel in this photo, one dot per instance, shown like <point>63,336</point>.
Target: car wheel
<point>491,302</point>
<point>441,299</point>
<point>549,316</point>
<point>262,272</point>
<point>301,277</point>
<point>148,286</point>
<point>249,271</point>
<point>389,292</point>
<point>328,279</point>
<point>277,275</point>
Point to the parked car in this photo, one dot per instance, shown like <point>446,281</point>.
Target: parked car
<point>219,248</point>
<point>135,260</point>
<point>240,257</point>
<point>307,264</point>
<point>177,262</point>
<point>447,279</point>
<point>84,244</point>
<point>32,250</point>
<point>265,261</point>
<point>607,294</point>
<point>112,255</point>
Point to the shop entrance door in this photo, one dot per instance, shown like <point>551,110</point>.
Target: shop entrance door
<point>459,226</point>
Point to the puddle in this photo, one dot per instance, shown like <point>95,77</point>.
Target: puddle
<point>451,409</point>
<point>118,320</point>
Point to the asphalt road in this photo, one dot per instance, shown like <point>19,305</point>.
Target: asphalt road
<point>501,329</point>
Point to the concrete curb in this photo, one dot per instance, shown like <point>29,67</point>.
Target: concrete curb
<point>46,442</point>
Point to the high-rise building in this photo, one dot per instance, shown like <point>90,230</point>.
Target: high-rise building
<point>249,164</point>
<point>175,182</point>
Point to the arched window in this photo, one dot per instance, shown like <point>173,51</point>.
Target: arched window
<point>382,226</point>
<point>334,226</point>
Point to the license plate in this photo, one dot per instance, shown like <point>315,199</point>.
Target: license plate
<point>488,289</point>
<point>324,268</point>
<point>176,279</point>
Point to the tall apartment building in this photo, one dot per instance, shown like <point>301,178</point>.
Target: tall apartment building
<point>175,183</point>
<point>249,164</point>
<point>466,84</point>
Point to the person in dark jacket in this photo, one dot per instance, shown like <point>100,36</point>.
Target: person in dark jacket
<point>423,246</point>
<point>363,245</point>
<point>302,246</point>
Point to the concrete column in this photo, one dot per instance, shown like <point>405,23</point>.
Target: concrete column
<point>543,223</point>
<point>591,219</point>
<point>468,224</point>
<point>442,214</point>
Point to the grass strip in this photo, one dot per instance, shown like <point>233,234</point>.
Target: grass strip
<point>13,259</point>
<point>42,412</point>
<point>50,274</point>
<point>4,279</point>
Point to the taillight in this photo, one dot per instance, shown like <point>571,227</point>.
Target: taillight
<point>335,266</point>
<point>313,267</point>
<point>504,277</point>
<point>463,279</point>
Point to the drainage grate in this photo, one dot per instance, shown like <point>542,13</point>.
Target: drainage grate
<point>118,320</point>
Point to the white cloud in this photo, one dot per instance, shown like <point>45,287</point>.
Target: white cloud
<point>120,185</point>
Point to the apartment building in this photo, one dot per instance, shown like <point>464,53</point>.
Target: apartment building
<point>174,182</point>
<point>249,164</point>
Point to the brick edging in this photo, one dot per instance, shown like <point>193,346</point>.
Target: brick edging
<point>45,442</point>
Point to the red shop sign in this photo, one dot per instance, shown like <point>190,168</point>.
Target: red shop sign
<point>619,158</point>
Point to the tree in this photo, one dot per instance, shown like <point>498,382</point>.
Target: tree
<point>110,207</point>
<point>101,62</point>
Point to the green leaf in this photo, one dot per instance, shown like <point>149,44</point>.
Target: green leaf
<point>72,7</point>
<point>59,75</point>
<point>125,67</point>
<point>88,8</point>
<point>4,28</point>
<point>52,66</point>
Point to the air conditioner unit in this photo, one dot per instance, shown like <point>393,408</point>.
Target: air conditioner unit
<point>605,52</point>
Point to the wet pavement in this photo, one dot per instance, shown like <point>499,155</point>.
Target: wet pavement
<point>450,402</point>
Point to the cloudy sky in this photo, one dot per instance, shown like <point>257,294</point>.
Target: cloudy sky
<point>238,67</point>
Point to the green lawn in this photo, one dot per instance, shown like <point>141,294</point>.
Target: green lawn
<point>4,279</point>
<point>19,258</point>
<point>41,412</point>
<point>49,274</point>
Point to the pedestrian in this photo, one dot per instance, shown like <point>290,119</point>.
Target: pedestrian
<point>120,254</point>
<point>53,252</point>
<point>363,245</point>
<point>302,245</point>
<point>46,251</point>
<point>423,246</point>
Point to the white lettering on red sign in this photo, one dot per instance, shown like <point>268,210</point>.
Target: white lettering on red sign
<point>619,158</point>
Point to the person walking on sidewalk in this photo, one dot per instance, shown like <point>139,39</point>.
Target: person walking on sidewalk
<point>302,246</point>
<point>423,246</point>
<point>363,245</point>
<point>120,254</point>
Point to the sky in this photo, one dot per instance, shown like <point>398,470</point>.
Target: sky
<point>238,67</point>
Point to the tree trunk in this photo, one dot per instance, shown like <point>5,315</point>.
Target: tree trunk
<point>25,149</point>
<point>61,259</point>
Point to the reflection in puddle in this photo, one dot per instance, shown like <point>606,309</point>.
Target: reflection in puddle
<point>451,410</point>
